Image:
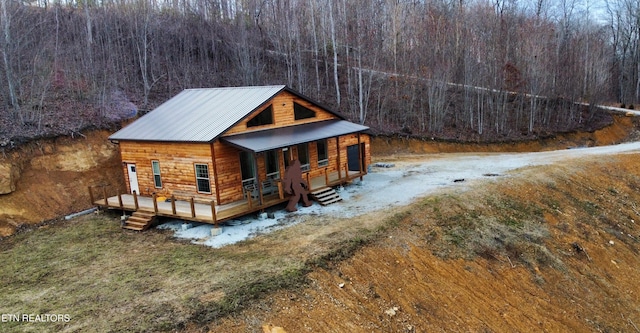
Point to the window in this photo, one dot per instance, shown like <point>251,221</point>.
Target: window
<point>271,161</point>
<point>157,181</point>
<point>323,156</point>
<point>302,112</point>
<point>263,118</point>
<point>202,178</point>
<point>286,155</point>
<point>303,156</point>
<point>248,172</point>
<point>247,166</point>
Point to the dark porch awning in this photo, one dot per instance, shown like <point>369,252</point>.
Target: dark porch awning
<point>260,141</point>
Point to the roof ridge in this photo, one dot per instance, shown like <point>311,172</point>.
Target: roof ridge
<point>239,87</point>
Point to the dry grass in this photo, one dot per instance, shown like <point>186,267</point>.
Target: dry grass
<point>108,279</point>
<point>494,226</point>
<point>514,220</point>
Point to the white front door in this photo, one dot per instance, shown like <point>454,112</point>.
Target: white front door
<point>133,178</point>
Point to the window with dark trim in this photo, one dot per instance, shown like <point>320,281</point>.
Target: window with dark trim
<point>323,156</point>
<point>263,118</point>
<point>302,112</point>
<point>157,181</point>
<point>247,166</point>
<point>303,156</point>
<point>271,164</point>
<point>202,178</point>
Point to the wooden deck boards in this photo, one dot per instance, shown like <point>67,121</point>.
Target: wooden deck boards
<point>202,211</point>
<point>183,208</point>
<point>333,179</point>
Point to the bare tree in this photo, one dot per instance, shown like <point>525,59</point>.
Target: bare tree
<point>334,45</point>
<point>8,54</point>
<point>435,67</point>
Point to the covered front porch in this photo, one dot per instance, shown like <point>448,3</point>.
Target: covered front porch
<point>207,211</point>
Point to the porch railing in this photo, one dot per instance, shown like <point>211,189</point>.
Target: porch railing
<point>104,201</point>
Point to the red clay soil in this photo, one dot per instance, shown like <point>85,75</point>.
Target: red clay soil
<point>617,132</point>
<point>55,176</point>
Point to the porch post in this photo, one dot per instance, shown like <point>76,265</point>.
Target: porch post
<point>338,153</point>
<point>135,200</point>
<point>120,200</point>
<point>257,174</point>
<point>361,164</point>
<point>326,176</point>
<point>104,192</point>
<point>215,171</point>
<point>213,213</point>
<point>91,196</point>
<point>155,203</point>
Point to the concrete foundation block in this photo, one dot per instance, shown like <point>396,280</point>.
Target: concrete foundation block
<point>215,231</point>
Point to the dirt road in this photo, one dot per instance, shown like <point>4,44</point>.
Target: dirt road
<point>414,176</point>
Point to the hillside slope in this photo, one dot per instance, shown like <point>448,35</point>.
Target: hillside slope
<point>552,245</point>
<point>554,249</point>
<point>53,174</point>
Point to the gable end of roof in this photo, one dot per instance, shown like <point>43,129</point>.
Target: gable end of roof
<point>204,114</point>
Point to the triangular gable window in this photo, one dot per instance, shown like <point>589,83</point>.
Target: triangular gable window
<point>302,112</point>
<point>263,118</point>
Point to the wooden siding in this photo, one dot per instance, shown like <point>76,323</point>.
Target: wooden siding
<point>352,139</point>
<point>282,114</point>
<point>177,162</point>
<point>228,169</point>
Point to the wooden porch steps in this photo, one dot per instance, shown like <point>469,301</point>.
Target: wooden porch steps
<point>326,196</point>
<point>139,220</point>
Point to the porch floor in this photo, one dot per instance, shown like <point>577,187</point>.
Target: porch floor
<point>202,212</point>
<point>332,179</point>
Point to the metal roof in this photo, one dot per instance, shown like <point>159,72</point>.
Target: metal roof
<point>198,115</point>
<point>275,138</point>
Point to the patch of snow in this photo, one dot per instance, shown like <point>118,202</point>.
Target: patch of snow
<point>387,187</point>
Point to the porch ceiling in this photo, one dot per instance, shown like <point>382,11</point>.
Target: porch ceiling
<point>260,141</point>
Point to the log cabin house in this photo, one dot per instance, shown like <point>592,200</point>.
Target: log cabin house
<point>210,155</point>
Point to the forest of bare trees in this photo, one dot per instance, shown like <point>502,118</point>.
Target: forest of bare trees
<point>454,69</point>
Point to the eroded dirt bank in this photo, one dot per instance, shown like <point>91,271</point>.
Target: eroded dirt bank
<point>54,176</point>
<point>620,131</point>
